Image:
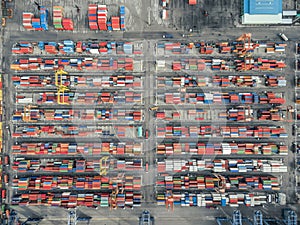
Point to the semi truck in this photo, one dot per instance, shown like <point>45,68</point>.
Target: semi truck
<point>283,36</point>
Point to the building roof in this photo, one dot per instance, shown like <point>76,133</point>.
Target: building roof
<point>272,7</point>
<point>262,19</point>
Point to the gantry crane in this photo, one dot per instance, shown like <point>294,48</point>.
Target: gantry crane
<point>26,114</point>
<point>103,168</point>
<point>61,88</point>
<point>289,113</point>
<point>13,218</point>
<point>257,218</point>
<point>72,217</point>
<point>248,112</point>
<point>221,183</point>
<point>59,77</point>
<point>146,218</point>
<point>289,217</point>
<point>116,190</point>
<point>237,218</point>
<point>248,47</point>
<point>169,200</point>
<point>247,50</point>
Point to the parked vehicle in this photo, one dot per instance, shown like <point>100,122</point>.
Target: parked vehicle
<point>167,35</point>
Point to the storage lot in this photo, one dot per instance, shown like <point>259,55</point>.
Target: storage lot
<point>105,112</point>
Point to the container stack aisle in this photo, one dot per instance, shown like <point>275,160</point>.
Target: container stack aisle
<point>220,123</point>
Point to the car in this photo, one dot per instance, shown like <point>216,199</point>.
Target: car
<point>147,167</point>
<point>154,108</point>
<point>3,22</point>
<point>271,198</point>
<point>147,134</point>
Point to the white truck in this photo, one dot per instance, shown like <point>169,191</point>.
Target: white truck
<point>283,36</point>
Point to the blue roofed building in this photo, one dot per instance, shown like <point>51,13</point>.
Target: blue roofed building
<point>262,12</point>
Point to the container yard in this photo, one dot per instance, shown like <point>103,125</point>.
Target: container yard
<point>111,110</point>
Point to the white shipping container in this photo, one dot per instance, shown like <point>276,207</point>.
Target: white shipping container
<point>25,100</point>
<point>289,12</point>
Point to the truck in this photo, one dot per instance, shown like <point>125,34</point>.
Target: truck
<point>283,36</point>
<point>166,35</point>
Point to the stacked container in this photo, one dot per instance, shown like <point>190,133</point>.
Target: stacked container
<point>93,17</point>
<point>27,21</point>
<point>102,17</point>
<point>44,18</point>
<point>57,17</point>
<point>115,20</point>
<point>122,17</point>
<point>68,24</point>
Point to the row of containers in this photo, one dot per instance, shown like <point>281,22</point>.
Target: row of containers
<point>135,149</point>
<point>84,183</point>
<point>98,18</point>
<point>91,191</point>
<point>214,48</point>
<point>79,115</point>
<point>34,114</point>
<point>215,97</point>
<point>80,98</point>
<point>78,81</point>
<point>80,47</point>
<point>235,81</point>
<point>239,113</point>
<point>182,131</point>
<point>23,165</point>
<point>221,165</point>
<point>186,199</point>
<point>163,131</point>
<point>245,64</point>
<point>109,64</point>
<point>128,199</point>
<point>65,131</point>
<point>218,183</point>
<point>36,23</point>
<point>220,149</point>
<point>76,149</point>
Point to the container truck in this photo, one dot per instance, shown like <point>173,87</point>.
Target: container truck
<point>283,36</point>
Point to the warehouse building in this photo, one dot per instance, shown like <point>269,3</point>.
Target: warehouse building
<point>262,12</point>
